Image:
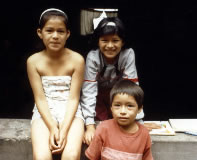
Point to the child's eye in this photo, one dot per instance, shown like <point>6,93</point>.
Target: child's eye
<point>130,106</point>
<point>116,40</point>
<point>49,30</point>
<point>116,105</point>
<point>104,40</point>
<point>61,31</point>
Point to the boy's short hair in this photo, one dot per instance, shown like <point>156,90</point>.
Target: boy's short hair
<point>126,86</point>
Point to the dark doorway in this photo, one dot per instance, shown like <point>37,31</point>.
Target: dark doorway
<point>163,36</point>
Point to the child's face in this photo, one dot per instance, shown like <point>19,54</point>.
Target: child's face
<point>124,110</point>
<point>110,46</point>
<point>54,34</point>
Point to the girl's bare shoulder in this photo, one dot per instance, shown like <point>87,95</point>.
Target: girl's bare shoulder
<point>34,57</point>
<point>75,56</point>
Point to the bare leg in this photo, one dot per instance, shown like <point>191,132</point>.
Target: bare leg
<point>72,149</point>
<point>40,140</point>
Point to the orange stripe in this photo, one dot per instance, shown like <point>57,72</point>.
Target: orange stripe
<point>88,81</point>
<point>134,79</point>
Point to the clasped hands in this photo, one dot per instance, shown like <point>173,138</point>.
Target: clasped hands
<point>57,139</point>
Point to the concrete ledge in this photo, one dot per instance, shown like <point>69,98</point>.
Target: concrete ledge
<point>15,143</point>
<point>179,147</point>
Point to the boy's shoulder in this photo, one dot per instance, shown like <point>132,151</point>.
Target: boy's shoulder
<point>106,124</point>
<point>105,127</point>
<point>143,129</point>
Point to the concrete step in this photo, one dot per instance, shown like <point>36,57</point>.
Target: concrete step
<point>15,143</point>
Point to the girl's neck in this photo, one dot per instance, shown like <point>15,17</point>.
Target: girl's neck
<point>110,60</point>
<point>54,55</point>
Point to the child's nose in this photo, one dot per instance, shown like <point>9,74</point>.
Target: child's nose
<point>55,34</point>
<point>123,110</point>
<point>110,44</point>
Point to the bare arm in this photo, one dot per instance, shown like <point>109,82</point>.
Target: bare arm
<point>89,93</point>
<point>73,101</point>
<point>40,99</point>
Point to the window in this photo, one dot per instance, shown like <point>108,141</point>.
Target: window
<point>92,16</point>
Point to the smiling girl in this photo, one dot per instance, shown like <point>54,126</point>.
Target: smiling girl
<point>108,62</point>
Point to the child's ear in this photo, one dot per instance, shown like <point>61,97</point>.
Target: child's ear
<point>123,43</point>
<point>140,109</point>
<point>39,33</point>
<point>68,34</point>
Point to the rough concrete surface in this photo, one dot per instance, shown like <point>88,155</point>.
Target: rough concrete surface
<point>15,143</point>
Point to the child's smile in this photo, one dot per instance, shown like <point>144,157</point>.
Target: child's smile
<point>110,46</point>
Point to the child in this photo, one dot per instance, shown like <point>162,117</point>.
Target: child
<point>122,137</point>
<point>57,122</point>
<point>109,62</point>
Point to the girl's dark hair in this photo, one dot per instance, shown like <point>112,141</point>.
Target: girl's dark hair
<point>44,17</point>
<point>109,25</point>
<point>47,14</point>
<point>126,86</point>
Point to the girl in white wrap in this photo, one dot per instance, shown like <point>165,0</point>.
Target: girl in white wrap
<point>57,121</point>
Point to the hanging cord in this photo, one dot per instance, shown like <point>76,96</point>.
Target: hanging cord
<point>102,66</point>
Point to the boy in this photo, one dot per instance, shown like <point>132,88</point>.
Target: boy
<point>122,138</point>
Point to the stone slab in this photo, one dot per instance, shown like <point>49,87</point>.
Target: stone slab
<point>15,143</point>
